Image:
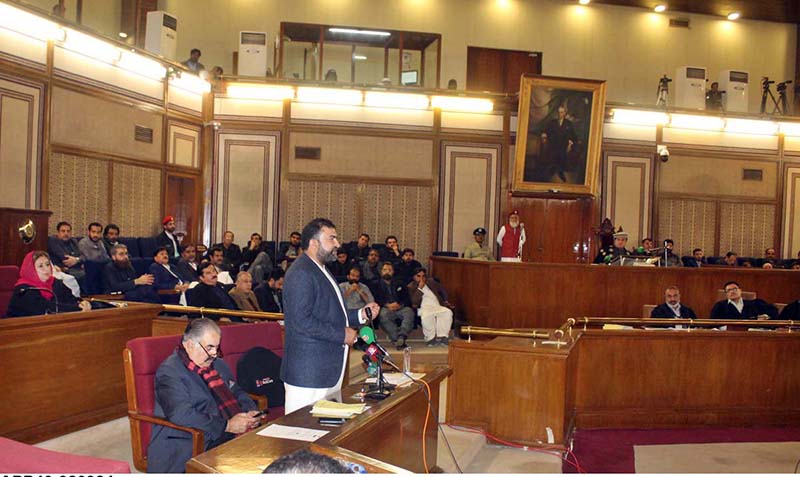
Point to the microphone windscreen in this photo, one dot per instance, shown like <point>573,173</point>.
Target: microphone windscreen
<point>373,352</point>
<point>367,334</point>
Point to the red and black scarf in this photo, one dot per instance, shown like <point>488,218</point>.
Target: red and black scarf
<point>226,401</point>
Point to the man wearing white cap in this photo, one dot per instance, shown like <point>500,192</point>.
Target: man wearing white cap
<point>511,238</point>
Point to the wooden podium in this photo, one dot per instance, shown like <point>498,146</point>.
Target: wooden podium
<point>612,379</point>
<point>386,438</point>
<point>12,248</point>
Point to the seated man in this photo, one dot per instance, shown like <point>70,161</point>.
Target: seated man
<point>289,252</point>
<point>208,293</point>
<point>359,249</point>
<point>371,270</point>
<point>697,260</point>
<point>340,267</point>
<point>770,257</point>
<point>110,237</point>
<point>731,259</point>
<point>92,246</point>
<point>195,389</point>
<point>165,277</point>
<point>65,253</point>
<point>672,307</point>
<point>791,311</point>
<point>391,295</point>
<point>647,245</point>
<point>736,308</point>
<point>187,265</point>
<point>435,312</point>
<point>231,253</point>
<point>167,237</point>
<point>256,259</point>
<point>614,251</point>
<point>243,294</point>
<point>120,277</point>
<point>404,271</point>
<point>672,259</point>
<point>217,258</point>
<point>392,253</point>
<point>478,250</point>
<point>356,295</point>
<point>270,293</point>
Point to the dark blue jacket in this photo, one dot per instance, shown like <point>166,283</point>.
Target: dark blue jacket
<point>314,323</point>
<point>664,311</point>
<point>162,279</point>
<point>183,398</point>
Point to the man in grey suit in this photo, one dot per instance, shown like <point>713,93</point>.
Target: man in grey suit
<point>317,323</point>
<point>195,389</point>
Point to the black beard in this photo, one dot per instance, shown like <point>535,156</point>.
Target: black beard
<point>122,264</point>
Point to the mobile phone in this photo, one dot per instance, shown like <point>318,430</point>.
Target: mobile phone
<point>331,421</point>
<point>259,414</point>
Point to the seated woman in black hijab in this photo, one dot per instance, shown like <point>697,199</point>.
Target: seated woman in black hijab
<point>38,292</point>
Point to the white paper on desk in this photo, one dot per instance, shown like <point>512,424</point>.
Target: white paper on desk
<point>293,433</point>
<point>398,379</point>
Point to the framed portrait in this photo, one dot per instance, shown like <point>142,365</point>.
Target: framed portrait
<point>559,131</point>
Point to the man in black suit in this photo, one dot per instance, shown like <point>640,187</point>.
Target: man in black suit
<point>186,268</point>
<point>210,294</point>
<point>697,259</point>
<point>317,323</point>
<point>736,308</point>
<point>231,252</point>
<point>672,307</point>
<point>120,277</point>
<point>167,237</point>
<point>65,252</point>
<point>269,293</point>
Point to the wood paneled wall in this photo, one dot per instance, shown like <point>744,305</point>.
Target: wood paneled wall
<point>21,122</point>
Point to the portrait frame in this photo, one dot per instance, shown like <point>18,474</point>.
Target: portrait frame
<point>559,135</point>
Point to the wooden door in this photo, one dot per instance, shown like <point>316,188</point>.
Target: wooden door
<point>181,203</point>
<point>499,71</point>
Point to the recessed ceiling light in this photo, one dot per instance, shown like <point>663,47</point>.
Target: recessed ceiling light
<point>660,8</point>
<point>122,34</point>
<point>734,16</point>
<point>359,57</point>
<point>353,31</point>
<point>584,2</point>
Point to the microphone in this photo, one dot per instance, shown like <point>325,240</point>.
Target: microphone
<point>367,334</point>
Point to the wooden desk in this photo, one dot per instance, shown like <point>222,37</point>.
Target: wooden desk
<point>543,295</point>
<point>62,373</point>
<point>390,431</point>
<point>617,379</point>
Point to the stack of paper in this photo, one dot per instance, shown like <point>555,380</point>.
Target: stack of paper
<point>325,408</point>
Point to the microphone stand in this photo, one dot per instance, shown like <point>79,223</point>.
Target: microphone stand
<point>666,255</point>
<point>381,389</point>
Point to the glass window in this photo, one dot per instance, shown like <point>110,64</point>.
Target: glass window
<point>369,64</point>
<point>337,57</point>
<point>300,60</point>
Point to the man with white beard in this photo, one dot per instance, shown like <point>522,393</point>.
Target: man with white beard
<point>511,238</point>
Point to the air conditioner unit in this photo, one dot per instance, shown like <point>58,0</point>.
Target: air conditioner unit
<point>161,36</point>
<point>690,87</point>
<point>736,85</point>
<point>252,53</point>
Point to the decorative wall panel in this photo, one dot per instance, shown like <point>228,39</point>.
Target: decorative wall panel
<point>470,182</point>
<point>78,192</point>
<point>22,49</point>
<point>246,181</point>
<point>358,156</point>
<point>137,200</point>
<point>690,223</point>
<point>377,209</point>
<point>183,148</point>
<point>91,123</point>
<point>746,228</point>
<point>720,139</point>
<point>359,115</point>
<point>247,109</point>
<point>20,137</point>
<point>626,194</point>
<point>704,175</point>
<point>791,213</point>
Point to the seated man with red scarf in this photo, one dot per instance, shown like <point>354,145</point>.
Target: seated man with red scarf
<point>195,389</point>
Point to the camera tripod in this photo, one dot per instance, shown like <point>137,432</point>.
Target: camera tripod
<point>780,104</point>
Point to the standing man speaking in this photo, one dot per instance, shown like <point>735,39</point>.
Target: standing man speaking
<point>317,323</point>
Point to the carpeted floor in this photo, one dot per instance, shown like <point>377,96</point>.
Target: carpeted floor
<point>633,450</point>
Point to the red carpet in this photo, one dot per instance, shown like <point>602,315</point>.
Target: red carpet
<point>611,450</point>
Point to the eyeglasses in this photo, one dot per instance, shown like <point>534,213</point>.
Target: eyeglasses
<point>728,290</point>
<point>208,348</point>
